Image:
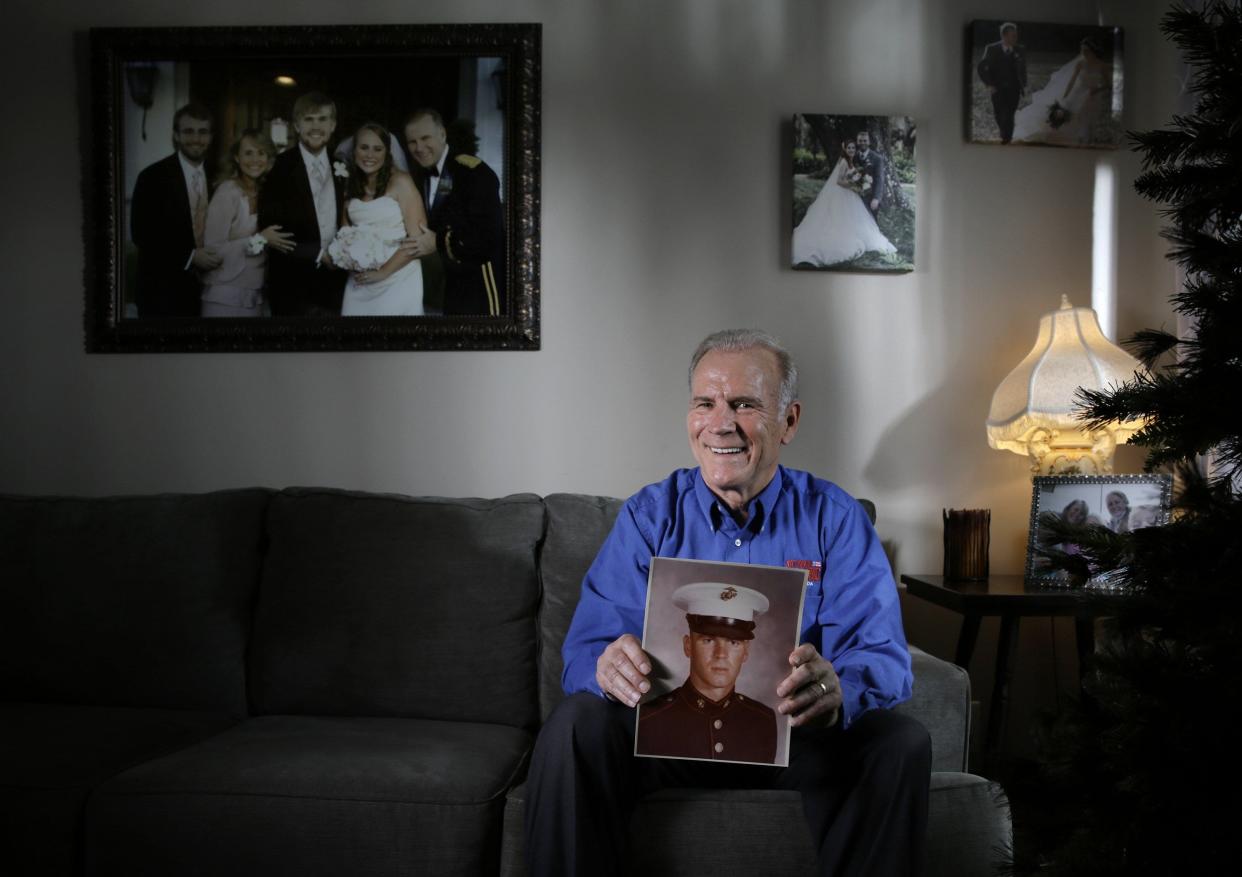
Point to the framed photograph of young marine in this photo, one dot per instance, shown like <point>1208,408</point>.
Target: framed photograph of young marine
<point>313,188</point>
<point>1044,84</point>
<point>1120,503</point>
<point>719,637</point>
<point>853,193</point>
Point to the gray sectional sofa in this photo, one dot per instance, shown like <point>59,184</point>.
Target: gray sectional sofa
<point>316,681</point>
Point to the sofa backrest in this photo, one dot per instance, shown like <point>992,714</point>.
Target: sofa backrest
<point>577,526</point>
<point>138,601</point>
<point>381,605</point>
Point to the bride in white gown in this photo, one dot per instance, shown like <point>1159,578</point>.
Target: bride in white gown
<point>1082,88</point>
<point>382,206</point>
<point>838,226</point>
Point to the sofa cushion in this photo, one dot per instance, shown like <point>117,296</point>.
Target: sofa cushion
<point>129,601</point>
<point>305,795</point>
<point>969,827</point>
<point>52,755</point>
<point>379,605</point>
<point>577,526</point>
<point>969,833</point>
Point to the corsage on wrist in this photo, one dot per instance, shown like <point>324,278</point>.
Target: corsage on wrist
<point>255,244</point>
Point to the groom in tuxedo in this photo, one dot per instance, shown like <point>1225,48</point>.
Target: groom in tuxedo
<point>465,220</point>
<point>1003,71</point>
<point>873,162</point>
<point>304,194</point>
<point>168,215</point>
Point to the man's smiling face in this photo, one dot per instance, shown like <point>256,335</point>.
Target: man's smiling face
<point>735,423</point>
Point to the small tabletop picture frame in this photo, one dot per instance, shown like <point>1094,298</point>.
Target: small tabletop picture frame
<point>1121,503</point>
<point>719,637</point>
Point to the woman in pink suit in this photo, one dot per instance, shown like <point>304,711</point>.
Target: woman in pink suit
<point>235,289</point>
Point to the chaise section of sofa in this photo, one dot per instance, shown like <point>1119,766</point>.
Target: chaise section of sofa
<point>123,627</point>
<point>392,694</point>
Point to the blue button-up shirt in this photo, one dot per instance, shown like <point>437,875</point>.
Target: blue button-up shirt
<point>851,615</point>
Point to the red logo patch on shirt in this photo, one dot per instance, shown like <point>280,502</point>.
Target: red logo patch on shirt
<point>814,568</point>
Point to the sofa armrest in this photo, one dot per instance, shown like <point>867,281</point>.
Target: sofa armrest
<point>941,701</point>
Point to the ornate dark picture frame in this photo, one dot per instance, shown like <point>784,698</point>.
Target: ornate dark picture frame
<point>380,70</point>
<point>1146,503</point>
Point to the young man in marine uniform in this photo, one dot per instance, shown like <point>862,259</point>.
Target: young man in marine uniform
<point>465,220</point>
<point>707,717</point>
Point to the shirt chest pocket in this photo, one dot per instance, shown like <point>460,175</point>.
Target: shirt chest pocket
<point>812,603</point>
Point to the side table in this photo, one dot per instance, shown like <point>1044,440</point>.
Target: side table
<point>1010,599</point>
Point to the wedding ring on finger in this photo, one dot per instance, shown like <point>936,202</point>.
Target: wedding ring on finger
<point>823,689</point>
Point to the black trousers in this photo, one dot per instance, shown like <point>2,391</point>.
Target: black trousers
<point>864,789</point>
<point>1004,106</point>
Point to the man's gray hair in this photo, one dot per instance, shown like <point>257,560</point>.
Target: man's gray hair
<point>1008,25</point>
<point>736,340</point>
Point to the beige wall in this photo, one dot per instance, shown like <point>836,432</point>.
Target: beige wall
<point>664,217</point>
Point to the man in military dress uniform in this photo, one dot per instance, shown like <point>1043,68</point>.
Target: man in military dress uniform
<point>465,221</point>
<point>707,717</point>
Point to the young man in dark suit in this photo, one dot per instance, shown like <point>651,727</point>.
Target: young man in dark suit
<point>304,194</point>
<point>1003,71</point>
<point>876,168</point>
<point>465,221</point>
<point>167,217</point>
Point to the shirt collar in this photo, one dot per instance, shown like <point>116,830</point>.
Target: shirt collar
<point>321,159</point>
<point>760,507</point>
<point>190,170</point>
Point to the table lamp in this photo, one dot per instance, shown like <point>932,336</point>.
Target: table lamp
<point>1033,410</point>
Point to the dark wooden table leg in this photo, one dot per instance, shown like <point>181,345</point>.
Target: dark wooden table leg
<point>1006,649</point>
<point>966,640</point>
<point>1084,636</point>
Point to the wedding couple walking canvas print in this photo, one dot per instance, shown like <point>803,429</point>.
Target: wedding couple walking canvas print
<point>1045,84</point>
<point>853,193</point>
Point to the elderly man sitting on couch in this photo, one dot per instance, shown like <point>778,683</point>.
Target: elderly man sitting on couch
<point>862,769</point>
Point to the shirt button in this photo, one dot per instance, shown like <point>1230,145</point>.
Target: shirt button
<point>737,542</point>
<point>719,748</point>
<point>717,724</point>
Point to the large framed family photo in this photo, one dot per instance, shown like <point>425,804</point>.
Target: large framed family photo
<point>313,188</point>
<point>1120,503</point>
<point>1044,84</point>
<point>853,193</point>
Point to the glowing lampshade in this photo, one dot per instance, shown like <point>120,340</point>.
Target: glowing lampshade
<point>1033,411</point>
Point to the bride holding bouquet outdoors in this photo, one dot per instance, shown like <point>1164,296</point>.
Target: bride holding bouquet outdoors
<point>382,206</point>
<point>865,207</point>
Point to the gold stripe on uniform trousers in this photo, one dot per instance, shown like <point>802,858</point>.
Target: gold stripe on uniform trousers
<point>493,296</point>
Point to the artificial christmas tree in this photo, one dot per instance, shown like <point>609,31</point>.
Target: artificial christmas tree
<point>1145,769</point>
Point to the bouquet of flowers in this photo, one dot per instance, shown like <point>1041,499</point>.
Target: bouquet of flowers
<point>1057,115</point>
<point>360,248</point>
<point>856,179</point>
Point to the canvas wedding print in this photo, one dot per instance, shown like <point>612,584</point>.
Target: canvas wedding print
<point>719,637</point>
<point>853,193</point>
<point>1044,84</point>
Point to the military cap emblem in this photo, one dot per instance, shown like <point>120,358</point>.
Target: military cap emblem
<point>720,609</point>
